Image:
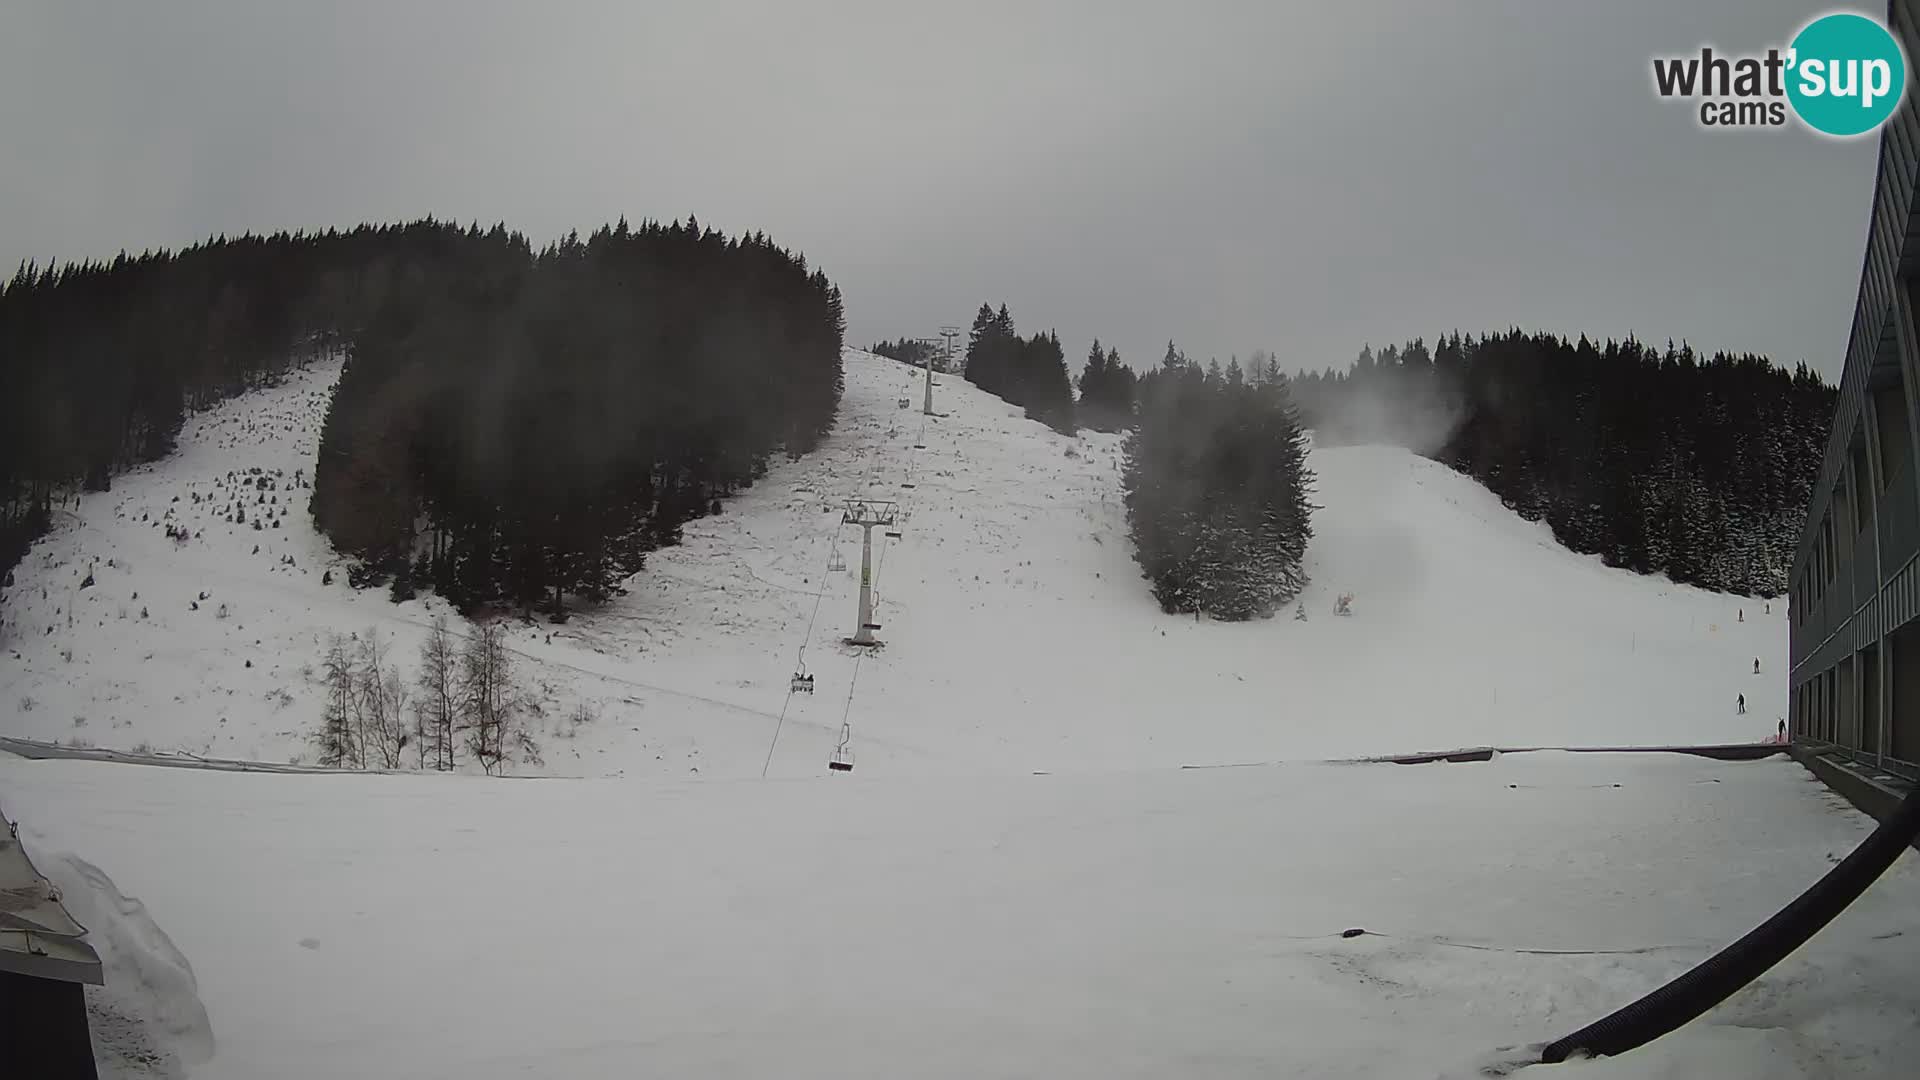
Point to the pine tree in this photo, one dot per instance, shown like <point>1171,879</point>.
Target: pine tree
<point>1106,391</point>
<point>991,350</point>
<point>1216,493</point>
<point>1093,376</point>
<point>1124,384</point>
<point>1045,388</point>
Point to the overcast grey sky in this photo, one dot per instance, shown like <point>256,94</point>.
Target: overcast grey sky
<point>1295,177</point>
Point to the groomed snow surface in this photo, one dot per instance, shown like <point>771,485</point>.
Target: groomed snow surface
<point>1019,879</point>
<point>1164,923</point>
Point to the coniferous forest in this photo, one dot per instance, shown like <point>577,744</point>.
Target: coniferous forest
<point>1658,460</point>
<point>102,361</point>
<point>510,426</point>
<point>521,426</point>
<point>1029,372</point>
<point>1216,487</point>
<point>1107,390</point>
<point>912,351</point>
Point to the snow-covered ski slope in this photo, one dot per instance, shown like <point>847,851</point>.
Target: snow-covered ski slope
<point>1169,923</point>
<point>1129,919</point>
<point>1019,635</point>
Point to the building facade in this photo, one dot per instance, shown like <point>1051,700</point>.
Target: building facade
<point>1855,586</point>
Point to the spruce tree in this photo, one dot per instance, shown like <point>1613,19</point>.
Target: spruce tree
<point>1216,493</point>
<point>1106,391</point>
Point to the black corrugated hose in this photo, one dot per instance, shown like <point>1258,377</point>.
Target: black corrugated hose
<point>1733,967</point>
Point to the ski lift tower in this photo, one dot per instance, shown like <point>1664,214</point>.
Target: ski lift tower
<point>947,333</point>
<point>867,513</point>
<point>926,356</point>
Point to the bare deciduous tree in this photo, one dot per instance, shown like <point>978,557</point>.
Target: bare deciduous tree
<point>438,707</point>
<point>338,741</point>
<point>495,715</point>
<point>382,703</point>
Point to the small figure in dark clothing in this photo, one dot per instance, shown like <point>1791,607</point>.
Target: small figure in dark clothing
<point>1743,614</point>
<point>1756,665</point>
<point>1743,704</point>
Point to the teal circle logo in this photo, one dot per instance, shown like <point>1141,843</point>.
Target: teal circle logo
<point>1846,74</point>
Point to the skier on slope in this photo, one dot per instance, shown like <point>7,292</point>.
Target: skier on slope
<point>1742,705</point>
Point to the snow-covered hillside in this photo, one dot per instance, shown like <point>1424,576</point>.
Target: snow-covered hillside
<point>1133,919</point>
<point>1018,633</point>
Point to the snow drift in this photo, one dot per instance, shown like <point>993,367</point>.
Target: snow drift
<point>147,1020</point>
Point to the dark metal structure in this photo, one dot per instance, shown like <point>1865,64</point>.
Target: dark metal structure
<point>45,962</point>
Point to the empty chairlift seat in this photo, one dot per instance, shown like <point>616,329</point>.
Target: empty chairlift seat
<point>842,758</point>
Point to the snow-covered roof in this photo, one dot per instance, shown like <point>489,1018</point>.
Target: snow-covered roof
<point>37,936</point>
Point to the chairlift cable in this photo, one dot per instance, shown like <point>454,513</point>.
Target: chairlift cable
<point>800,658</point>
<point>842,752</point>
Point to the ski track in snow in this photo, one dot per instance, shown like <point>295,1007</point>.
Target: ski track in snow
<point>1019,634</point>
